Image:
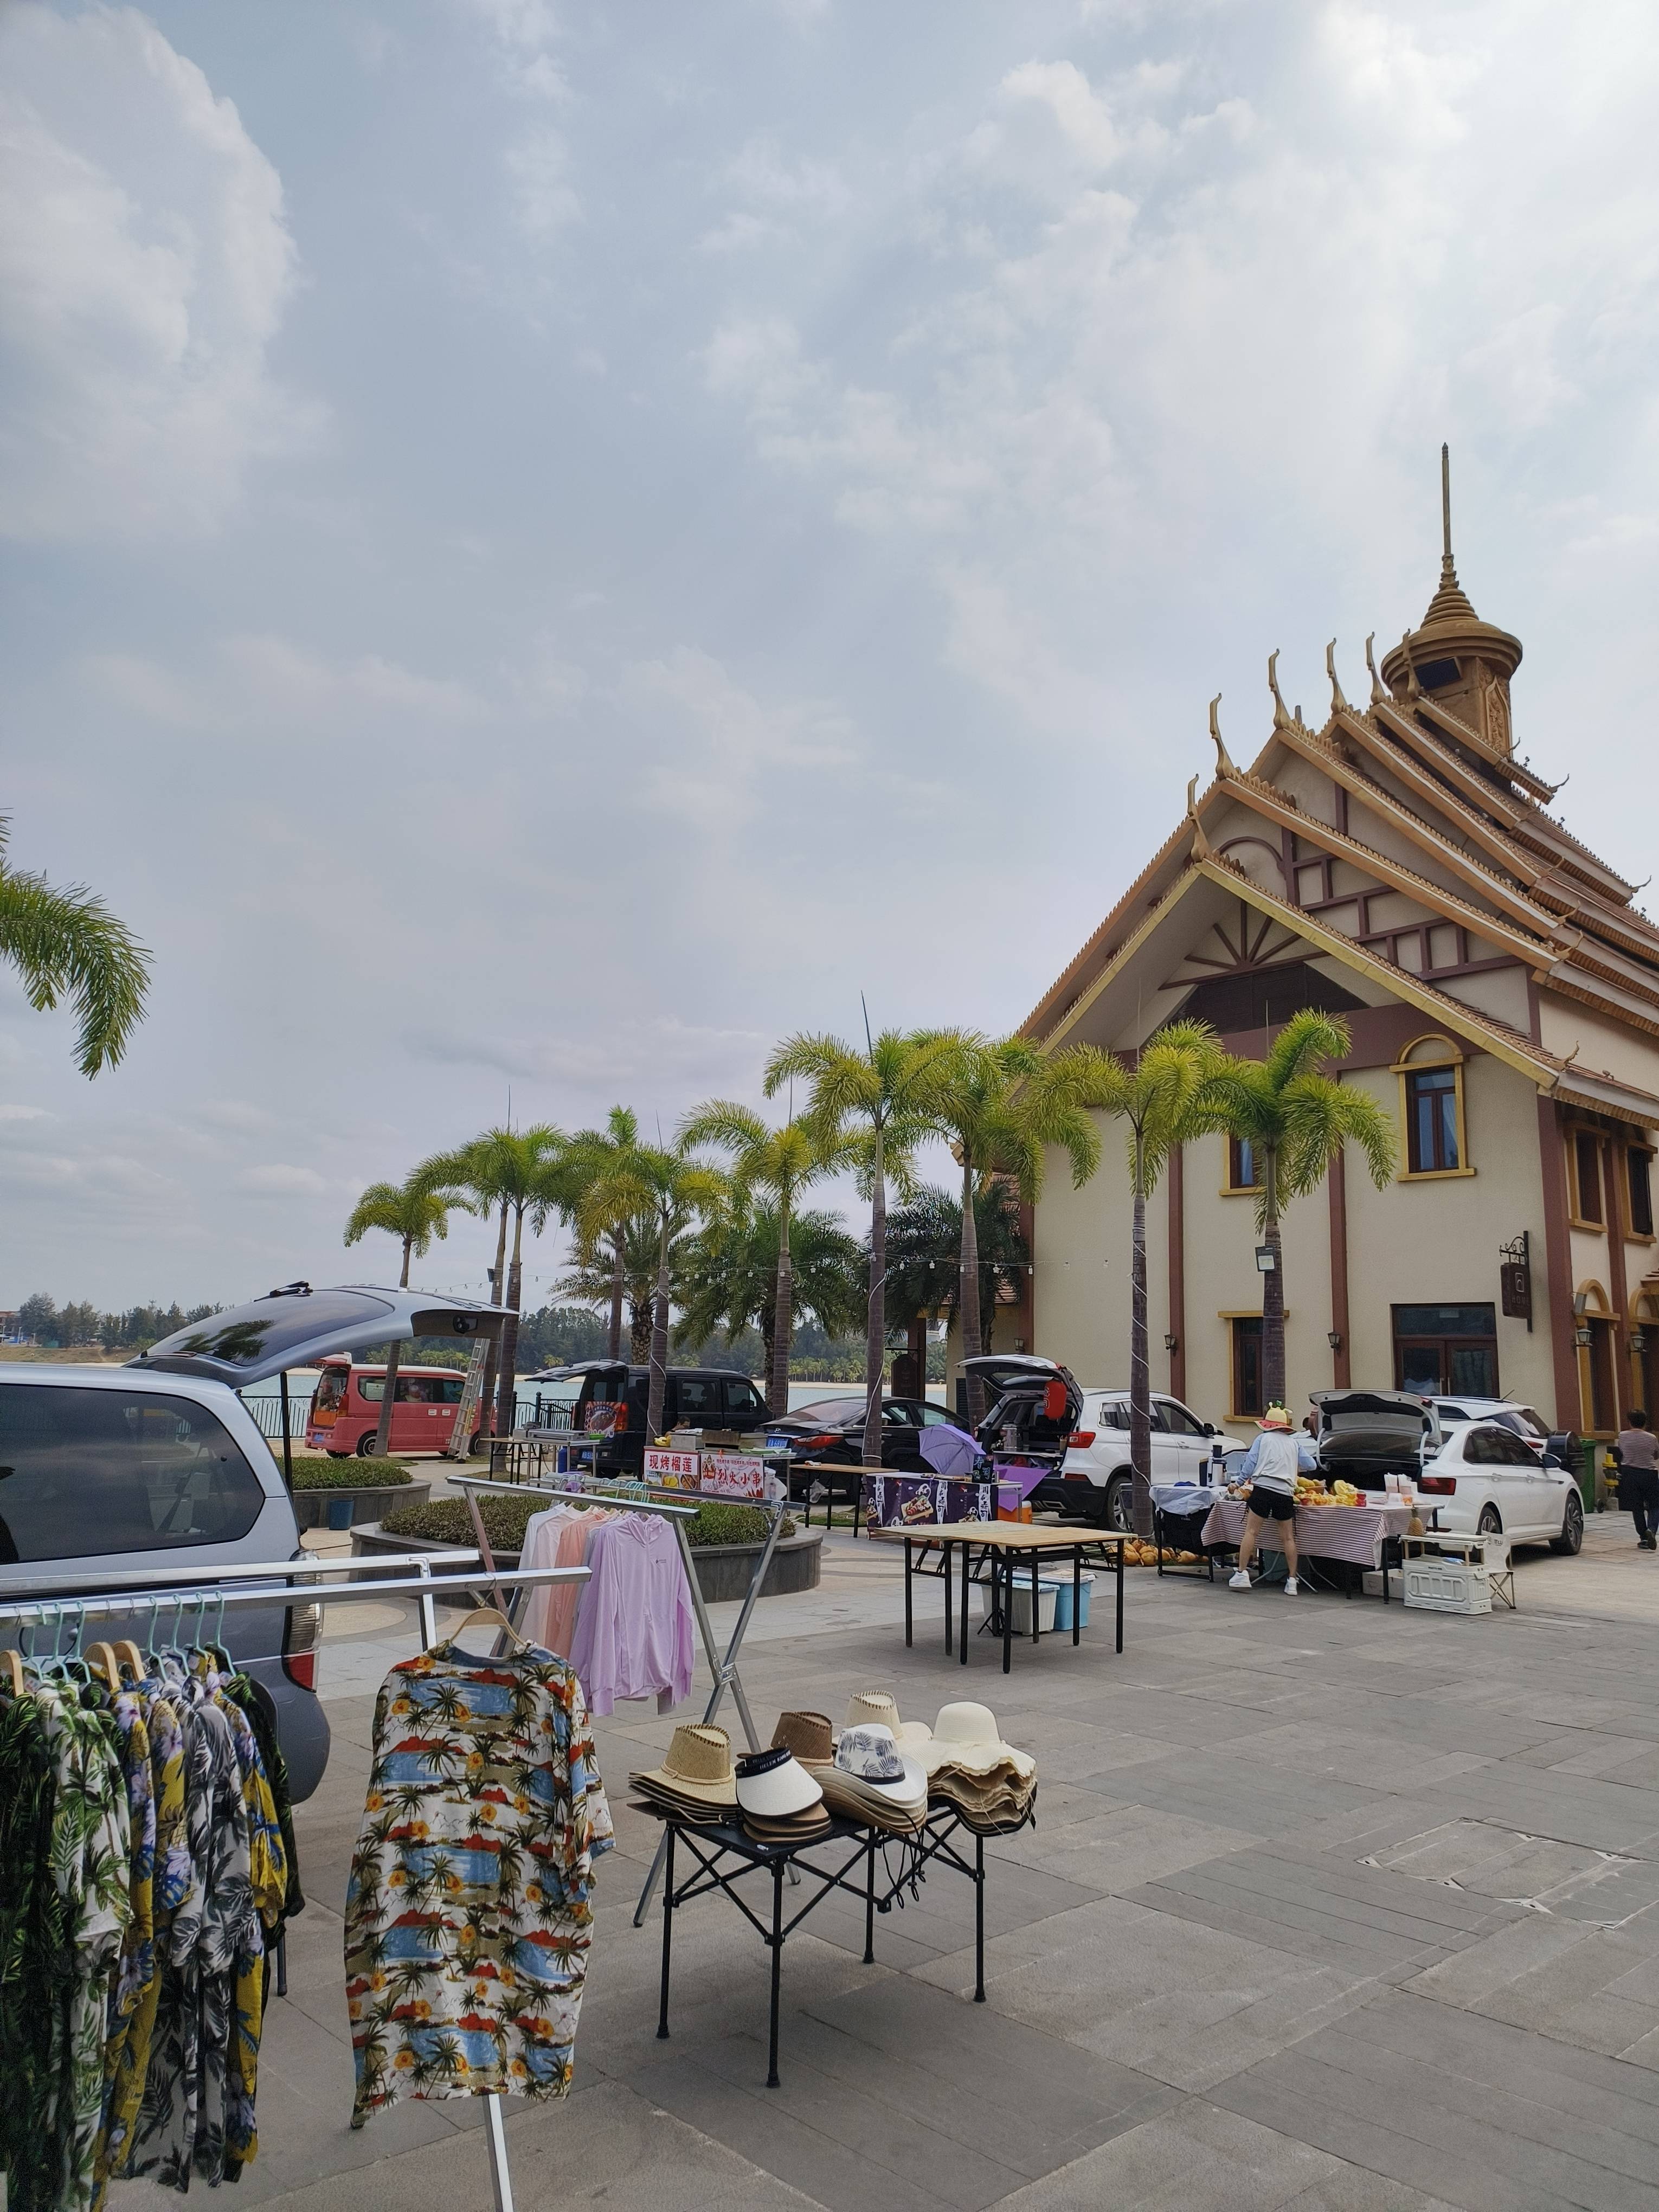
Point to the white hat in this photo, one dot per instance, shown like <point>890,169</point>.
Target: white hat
<point>773,1784</point>
<point>965,1737</point>
<point>879,1707</point>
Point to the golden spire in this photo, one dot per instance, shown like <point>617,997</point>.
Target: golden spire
<point>1450,603</point>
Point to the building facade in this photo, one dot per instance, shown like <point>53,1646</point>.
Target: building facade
<point>1398,865</point>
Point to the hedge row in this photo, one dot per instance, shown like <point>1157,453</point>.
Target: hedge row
<point>322,1473</point>
<point>446,1520</point>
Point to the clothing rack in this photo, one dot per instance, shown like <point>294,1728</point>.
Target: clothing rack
<point>42,1607</point>
<point>669,1506</point>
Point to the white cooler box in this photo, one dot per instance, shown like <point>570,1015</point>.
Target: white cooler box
<point>1440,1585</point>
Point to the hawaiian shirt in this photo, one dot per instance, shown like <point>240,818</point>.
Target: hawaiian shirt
<point>468,1908</point>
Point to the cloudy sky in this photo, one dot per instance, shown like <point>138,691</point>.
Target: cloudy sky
<point>548,545</point>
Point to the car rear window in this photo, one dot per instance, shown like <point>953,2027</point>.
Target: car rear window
<point>87,1472</point>
<point>331,1390</point>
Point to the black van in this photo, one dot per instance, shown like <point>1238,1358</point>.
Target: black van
<point>696,1398</point>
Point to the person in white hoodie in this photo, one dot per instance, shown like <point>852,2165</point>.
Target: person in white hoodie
<point>1271,1466</point>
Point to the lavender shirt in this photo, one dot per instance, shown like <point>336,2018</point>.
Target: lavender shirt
<point>633,1624</point>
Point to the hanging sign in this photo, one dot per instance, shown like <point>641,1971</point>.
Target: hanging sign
<point>672,1470</point>
<point>1514,1278</point>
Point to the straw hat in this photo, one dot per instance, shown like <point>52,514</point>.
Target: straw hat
<point>878,1708</point>
<point>1276,1416</point>
<point>774,1786</point>
<point>965,1738</point>
<point>698,1769</point>
<point>872,1782</point>
<point>808,1735</point>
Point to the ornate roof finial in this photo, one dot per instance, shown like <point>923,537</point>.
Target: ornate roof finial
<point>1200,849</point>
<point>1281,718</point>
<point>1379,696</point>
<point>1414,688</point>
<point>1339,704</point>
<point>1223,762</point>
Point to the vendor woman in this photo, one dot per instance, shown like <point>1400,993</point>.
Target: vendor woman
<point>1271,1466</point>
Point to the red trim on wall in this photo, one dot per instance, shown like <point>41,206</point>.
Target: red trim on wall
<point>1177,1174</point>
<point>1336,1187</point>
<point>1558,1263</point>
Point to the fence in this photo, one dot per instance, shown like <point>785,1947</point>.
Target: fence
<point>266,1408</point>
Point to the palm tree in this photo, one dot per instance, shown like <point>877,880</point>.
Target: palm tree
<point>732,1278</point>
<point>781,1162</point>
<point>1295,1119</point>
<point>69,943</point>
<point>594,1153</point>
<point>1164,1099</point>
<point>892,1089</point>
<point>924,1252</point>
<point>673,1191</point>
<point>415,1212</point>
<point>626,1250</point>
<point>1002,1105</point>
<point>512,1173</point>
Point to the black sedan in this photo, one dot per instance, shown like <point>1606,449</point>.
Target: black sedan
<point>831,1431</point>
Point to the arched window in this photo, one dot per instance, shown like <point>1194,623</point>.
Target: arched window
<point>1432,1126</point>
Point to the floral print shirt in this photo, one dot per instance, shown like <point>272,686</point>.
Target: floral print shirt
<point>469,1911</point>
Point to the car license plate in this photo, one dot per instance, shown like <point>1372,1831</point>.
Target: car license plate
<point>777,1443</point>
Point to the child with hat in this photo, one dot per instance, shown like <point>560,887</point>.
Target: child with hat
<point>1270,1466</point>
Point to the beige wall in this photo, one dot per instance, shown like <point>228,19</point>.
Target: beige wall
<point>1566,1027</point>
<point>1412,1244</point>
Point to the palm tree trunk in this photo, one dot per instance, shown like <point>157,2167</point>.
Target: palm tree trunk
<point>492,1362</point>
<point>1273,1287</point>
<point>658,1390</point>
<point>383,1431</point>
<point>1140,1387</point>
<point>783,1320</point>
<point>639,1336</point>
<point>613,1345</point>
<point>968,1294</point>
<point>875,1341</point>
<point>507,1404</point>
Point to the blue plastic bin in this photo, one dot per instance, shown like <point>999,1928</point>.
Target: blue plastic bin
<point>1063,1599</point>
<point>339,1512</point>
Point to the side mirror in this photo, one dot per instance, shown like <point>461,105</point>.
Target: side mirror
<point>1209,1428</point>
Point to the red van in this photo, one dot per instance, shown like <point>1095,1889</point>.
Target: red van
<point>345,1413</point>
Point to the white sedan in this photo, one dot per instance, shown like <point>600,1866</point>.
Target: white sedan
<point>1098,1455</point>
<point>1485,1479</point>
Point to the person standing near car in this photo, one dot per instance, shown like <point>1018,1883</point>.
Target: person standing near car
<point>1271,1466</point>
<point>1637,1458</point>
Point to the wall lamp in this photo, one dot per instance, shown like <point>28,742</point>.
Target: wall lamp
<point>1172,1344</point>
<point>1334,1338</point>
<point>1582,1339</point>
<point>1266,1259</point>
<point>1639,1341</point>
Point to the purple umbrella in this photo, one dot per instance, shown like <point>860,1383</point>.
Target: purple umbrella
<point>948,1450</point>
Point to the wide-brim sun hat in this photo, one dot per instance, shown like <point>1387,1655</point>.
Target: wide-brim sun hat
<point>773,1785</point>
<point>697,1765</point>
<point>879,1709</point>
<point>808,1735</point>
<point>966,1736</point>
<point>869,1753</point>
<point>1276,1416</point>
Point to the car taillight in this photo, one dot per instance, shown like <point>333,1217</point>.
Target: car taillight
<point>825,1442</point>
<point>1437,1485</point>
<point>1082,1439</point>
<point>301,1634</point>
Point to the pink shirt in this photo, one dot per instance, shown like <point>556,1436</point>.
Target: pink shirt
<point>633,1623</point>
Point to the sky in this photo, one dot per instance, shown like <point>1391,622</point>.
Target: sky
<point>547,546</point>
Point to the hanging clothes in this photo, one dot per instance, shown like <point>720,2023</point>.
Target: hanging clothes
<point>469,1907</point>
<point>633,1623</point>
<point>557,1538</point>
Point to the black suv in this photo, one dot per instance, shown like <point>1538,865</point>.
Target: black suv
<point>696,1398</point>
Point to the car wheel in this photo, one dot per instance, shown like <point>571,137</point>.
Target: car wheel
<point>1571,1541</point>
<point>1114,1507</point>
<point>1490,1522</point>
<point>474,1440</point>
<point>365,1445</point>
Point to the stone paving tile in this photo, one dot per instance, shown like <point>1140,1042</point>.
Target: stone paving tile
<point>1598,1988</point>
<point>1222,1894</point>
<point>1228,1787</point>
<point>1199,2159</point>
<point>1185,2004</point>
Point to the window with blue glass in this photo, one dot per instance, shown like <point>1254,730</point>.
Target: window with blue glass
<point>1431,1120</point>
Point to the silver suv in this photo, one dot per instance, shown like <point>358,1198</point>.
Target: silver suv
<point>106,1473</point>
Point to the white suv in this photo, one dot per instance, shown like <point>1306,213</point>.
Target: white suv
<point>1098,1455</point>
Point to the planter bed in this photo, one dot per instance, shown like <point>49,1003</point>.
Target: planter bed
<point>344,1508</point>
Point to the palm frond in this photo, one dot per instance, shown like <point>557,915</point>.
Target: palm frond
<point>67,944</point>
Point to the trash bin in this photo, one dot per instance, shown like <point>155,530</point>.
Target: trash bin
<point>339,1512</point>
<point>1589,1461</point>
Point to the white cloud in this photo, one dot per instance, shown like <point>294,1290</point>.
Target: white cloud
<point>145,263</point>
<point>725,740</point>
<point>24,1113</point>
<point>280,1179</point>
<point>539,168</point>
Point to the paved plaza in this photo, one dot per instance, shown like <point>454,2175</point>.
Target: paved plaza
<point>1327,1906</point>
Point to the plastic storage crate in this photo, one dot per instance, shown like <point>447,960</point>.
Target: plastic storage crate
<point>1447,1585</point>
<point>1021,1608</point>
<point>1063,1599</point>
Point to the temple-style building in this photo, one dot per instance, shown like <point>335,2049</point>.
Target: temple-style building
<point>1399,865</point>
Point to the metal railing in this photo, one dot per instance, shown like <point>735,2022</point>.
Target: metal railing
<point>266,1408</point>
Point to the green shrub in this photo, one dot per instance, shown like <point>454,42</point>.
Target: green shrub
<point>446,1520</point>
<point>321,1473</point>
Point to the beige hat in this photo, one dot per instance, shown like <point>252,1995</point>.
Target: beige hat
<point>809,1735</point>
<point>879,1709</point>
<point>965,1737</point>
<point>698,1767</point>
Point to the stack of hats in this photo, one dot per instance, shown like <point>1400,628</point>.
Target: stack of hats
<point>779,1801</point>
<point>694,1782</point>
<point>968,1765</point>
<point>865,1776</point>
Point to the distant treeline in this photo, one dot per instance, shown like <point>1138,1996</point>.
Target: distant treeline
<point>80,1324</point>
